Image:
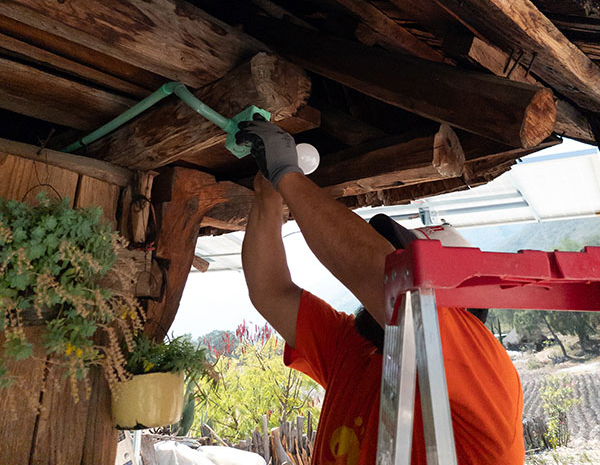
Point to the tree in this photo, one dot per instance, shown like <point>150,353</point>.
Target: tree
<point>254,381</point>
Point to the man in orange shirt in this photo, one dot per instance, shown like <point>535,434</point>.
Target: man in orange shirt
<point>344,354</point>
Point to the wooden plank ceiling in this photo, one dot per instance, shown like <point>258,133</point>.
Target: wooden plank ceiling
<point>367,82</point>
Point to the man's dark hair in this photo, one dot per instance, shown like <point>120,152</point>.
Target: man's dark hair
<point>369,329</point>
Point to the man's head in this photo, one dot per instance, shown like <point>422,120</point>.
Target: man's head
<point>400,238</point>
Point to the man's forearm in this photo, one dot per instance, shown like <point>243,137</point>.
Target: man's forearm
<point>346,245</point>
<point>265,268</point>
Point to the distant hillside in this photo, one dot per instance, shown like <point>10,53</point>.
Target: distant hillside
<point>537,236</point>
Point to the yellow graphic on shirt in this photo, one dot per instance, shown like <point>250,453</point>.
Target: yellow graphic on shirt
<point>345,444</point>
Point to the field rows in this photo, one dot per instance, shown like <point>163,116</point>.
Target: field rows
<point>584,418</point>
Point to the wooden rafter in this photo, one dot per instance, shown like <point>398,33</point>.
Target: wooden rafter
<point>174,131</point>
<point>569,120</point>
<point>170,38</point>
<point>517,114</point>
<point>520,26</point>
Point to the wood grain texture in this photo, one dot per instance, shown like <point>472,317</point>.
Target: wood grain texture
<point>19,404</point>
<point>569,120</point>
<point>22,179</point>
<point>100,442</point>
<point>391,33</point>
<point>233,214</point>
<point>171,38</point>
<point>38,56</point>
<point>61,423</point>
<point>175,131</point>
<point>39,94</point>
<point>480,103</point>
<point>83,165</point>
<point>95,193</point>
<point>78,53</point>
<point>182,197</point>
<point>519,25</point>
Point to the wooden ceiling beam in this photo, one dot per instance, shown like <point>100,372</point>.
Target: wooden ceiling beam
<point>478,171</point>
<point>174,131</point>
<point>394,161</point>
<point>173,39</point>
<point>345,128</point>
<point>520,26</point>
<point>30,91</point>
<point>389,31</point>
<point>30,53</point>
<point>569,120</point>
<point>517,114</point>
<point>390,162</point>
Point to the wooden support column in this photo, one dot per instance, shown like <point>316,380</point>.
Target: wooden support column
<point>181,197</point>
<point>173,130</point>
<point>517,114</point>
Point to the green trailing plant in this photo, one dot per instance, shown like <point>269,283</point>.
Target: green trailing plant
<point>52,259</point>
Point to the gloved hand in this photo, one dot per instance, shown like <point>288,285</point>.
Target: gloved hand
<point>272,147</point>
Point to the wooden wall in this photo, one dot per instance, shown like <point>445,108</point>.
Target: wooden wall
<point>39,423</point>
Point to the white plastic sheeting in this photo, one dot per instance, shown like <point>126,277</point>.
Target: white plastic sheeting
<point>173,453</point>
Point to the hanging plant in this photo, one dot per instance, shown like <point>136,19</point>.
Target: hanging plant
<point>52,258</point>
<point>155,395</point>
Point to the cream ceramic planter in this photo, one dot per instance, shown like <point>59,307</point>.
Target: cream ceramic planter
<point>148,401</point>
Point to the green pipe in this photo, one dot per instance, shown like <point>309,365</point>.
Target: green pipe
<point>165,90</point>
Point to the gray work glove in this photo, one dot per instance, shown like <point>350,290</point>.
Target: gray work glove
<point>272,147</point>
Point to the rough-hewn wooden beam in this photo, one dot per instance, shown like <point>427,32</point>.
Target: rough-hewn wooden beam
<point>514,113</point>
<point>97,169</point>
<point>79,53</point>
<point>175,131</point>
<point>171,38</point>
<point>33,92</point>
<point>520,26</point>
<point>217,159</point>
<point>569,120</point>
<point>30,53</point>
<point>386,163</point>
<point>181,197</point>
<point>233,214</point>
<point>346,128</point>
<point>393,162</point>
<point>390,32</point>
<point>200,264</point>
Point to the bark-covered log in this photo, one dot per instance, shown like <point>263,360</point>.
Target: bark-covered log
<point>517,114</point>
<point>173,130</point>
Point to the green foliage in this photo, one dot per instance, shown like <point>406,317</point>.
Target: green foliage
<point>51,259</point>
<point>179,354</point>
<point>254,381</point>
<point>558,397</point>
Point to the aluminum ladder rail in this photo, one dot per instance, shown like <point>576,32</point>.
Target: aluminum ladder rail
<point>427,272</point>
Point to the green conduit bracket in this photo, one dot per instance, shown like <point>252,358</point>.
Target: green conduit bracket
<point>230,126</point>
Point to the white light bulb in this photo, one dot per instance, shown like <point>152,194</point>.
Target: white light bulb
<point>308,158</point>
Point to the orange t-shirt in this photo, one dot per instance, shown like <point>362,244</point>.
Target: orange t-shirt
<point>485,393</point>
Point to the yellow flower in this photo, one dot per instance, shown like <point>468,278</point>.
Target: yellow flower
<point>79,352</point>
<point>148,366</point>
<point>69,349</point>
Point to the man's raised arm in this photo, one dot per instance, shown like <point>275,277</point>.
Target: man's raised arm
<point>346,245</point>
<point>270,285</point>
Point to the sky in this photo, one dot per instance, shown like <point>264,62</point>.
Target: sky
<point>219,299</point>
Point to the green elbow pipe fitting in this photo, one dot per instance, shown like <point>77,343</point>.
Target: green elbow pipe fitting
<point>230,126</point>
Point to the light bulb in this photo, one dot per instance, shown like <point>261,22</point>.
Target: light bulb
<point>308,158</point>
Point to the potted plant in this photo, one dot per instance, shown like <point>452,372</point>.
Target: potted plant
<point>52,258</point>
<point>154,395</point>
